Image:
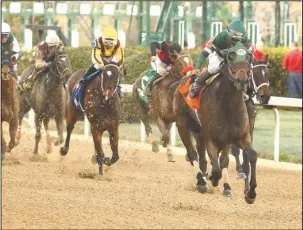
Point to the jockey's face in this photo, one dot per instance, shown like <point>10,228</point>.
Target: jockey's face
<point>157,50</point>
<point>173,57</point>
<point>51,49</point>
<point>4,38</point>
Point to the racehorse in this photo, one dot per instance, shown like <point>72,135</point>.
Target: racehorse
<point>223,120</point>
<point>101,106</point>
<point>46,98</point>
<point>160,108</point>
<point>9,103</point>
<point>259,83</point>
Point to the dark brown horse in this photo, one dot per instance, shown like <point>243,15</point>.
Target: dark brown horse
<point>9,104</point>
<point>160,108</point>
<point>259,86</point>
<point>102,109</point>
<point>223,120</point>
<point>46,98</point>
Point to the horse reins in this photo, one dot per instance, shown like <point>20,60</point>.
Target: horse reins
<point>256,88</point>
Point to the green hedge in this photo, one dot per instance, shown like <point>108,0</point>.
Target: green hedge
<point>137,59</point>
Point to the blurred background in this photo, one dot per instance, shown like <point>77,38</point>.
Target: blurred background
<point>276,23</point>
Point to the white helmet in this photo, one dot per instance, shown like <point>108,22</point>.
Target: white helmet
<point>52,40</point>
<point>6,29</point>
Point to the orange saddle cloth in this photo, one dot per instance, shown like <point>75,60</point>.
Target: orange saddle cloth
<point>193,103</point>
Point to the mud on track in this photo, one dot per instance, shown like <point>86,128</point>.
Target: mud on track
<point>141,191</point>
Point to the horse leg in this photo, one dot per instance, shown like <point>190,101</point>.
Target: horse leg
<point>3,144</point>
<point>71,119</point>
<point>59,124</point>
<point>113,139</point>
<point>99,154</point>
<point>183,128</point>
<point>23,109</point>
<point>235,151</point>
<point>48,137</point>
<point>224,162</point>
<point>38,122</point>
<point>249,156</point>
<point>164,129</point>
<point>13,125</point>
<point>216,172</point>
<point>201,175</point>
<point>148,130</point>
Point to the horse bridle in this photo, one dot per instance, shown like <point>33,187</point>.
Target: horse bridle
<point>256,88</point>
<point>108,65</point>
<point>178,57</point>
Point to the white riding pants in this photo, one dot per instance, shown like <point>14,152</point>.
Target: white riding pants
<point>214,63</point>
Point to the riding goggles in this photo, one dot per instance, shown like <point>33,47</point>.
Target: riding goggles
<point>110,42</point>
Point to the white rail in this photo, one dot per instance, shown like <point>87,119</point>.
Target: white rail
<point>275,102</point>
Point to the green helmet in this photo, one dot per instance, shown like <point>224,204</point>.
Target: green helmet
<point>236,30</point>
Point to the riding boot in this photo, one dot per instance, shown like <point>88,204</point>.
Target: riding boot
<point>149,86</point>
<point>199,82</point>
<point>119,91</point>
<point>27,83</point>
<point>90,71</point>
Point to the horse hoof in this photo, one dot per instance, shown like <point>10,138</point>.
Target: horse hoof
<point>227,192</point>
<point>48,150</point>
<point>93,160</point>
<point>107,161</point>
<point>202,188</point>
<point>63,151</point>
<point>170,157</point>
<point>250,198</point>
<point>58,142</point>
<point>241,175</point>
<point>100,170</point>
<point>187,158</point>
<point>114,159</point>
<point>155,148</point>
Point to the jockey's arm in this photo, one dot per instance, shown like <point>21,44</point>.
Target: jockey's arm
<point>40,63</point>
<point>120,56</point>
<point>96,55</point>
<point>202,57</point>
<point>15,50</point>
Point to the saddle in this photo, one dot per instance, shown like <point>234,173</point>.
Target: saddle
<point>79,91</point>
<point>193,103</point>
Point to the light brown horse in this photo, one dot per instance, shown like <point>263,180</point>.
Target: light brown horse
<point>102,109</point>
<point>223,120</point>
<point>9,104</point>
<point>160,108</point>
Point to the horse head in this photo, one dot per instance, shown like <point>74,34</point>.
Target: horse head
<point>5,64</point>
<point>260,80</point>
<point>59,68</point>
<point>239,61</point>
<point>180,61</point>
<point>110,80</point>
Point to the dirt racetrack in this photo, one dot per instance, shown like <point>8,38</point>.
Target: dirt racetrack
<point>141,190</point>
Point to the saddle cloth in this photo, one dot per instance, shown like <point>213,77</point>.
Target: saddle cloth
<point>79,91</point>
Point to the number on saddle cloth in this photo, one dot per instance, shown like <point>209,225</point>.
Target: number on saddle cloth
<point>79,91</point>
<point>144,82</point>
<point>147,78</point>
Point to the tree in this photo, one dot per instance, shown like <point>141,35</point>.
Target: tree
<point>277,23</point>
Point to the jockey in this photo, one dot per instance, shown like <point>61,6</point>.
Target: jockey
<point>9,43</point>
<point>44,56</point>
<point>219,46</point>
<point>161,63</point>
<point>204,54</point>
<point>105,48</point>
